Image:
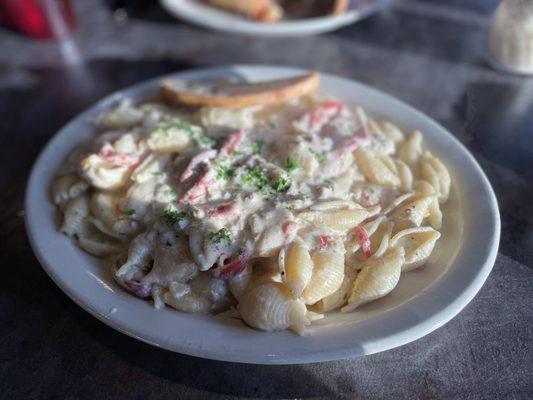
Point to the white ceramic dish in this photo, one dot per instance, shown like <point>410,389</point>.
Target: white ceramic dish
<point>424,300</point>
<point>213,18</point>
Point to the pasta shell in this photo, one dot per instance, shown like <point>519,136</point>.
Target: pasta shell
<point>150,167</point>
<point>98,246</point>
<point>418,244</point>
<point>270,307</point>
<point>104,206</point>
<point>171,264</point>
<point>67,187</point>
<point>434,171</point>
<point>75,217</point>
<point>204,294</point>
<point>139,254</point>
<point>339,220</point>
<point>405,175</point>
<point>392,132</point>
<point>173,139</point>
<point>377,168</point>
<point>435,213</point>
<point>379,232</point>
<point>191,302</point>
<point>378,278</point>
<point>328,273</point>
<point>239,283</point>
<point>412,212</point>
<point>338,298</point>
<point>103,176</point>
<point>296,267</point>
<point>411,149</point>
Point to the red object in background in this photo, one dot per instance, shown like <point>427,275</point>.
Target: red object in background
<point>40,19</point>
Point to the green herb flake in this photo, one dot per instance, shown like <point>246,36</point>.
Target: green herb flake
<point>222,234</point>
<point>257,146</point>
<point>255,176</point>
<point>131,212</point>
<point>172,216</point>
<point>319,156</point>
<point>223,170</point>
<point>291,164</point>
<point>282,184</point>
<point>173,195</point>
<point>157,173</point>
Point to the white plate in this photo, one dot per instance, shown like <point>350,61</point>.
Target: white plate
<point>424,300</point>
<point>213,18</point>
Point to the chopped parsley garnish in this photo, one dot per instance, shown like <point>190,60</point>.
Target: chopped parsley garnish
<point>291,164</point>
<point>237,153</point>
<point>205,141</point>
<point>223,234</point>
<point>173,195</point>
<point>319,156</point>
<point>223,170</point>
<point>240,252</point>
<point>281,184</point>
<point>186,127</point>
<point>157,173</point>
<point>172,216</point>
<point>255,176</point>
<point>131,212</point>
<point>257,146</point>
<point>272,124</point>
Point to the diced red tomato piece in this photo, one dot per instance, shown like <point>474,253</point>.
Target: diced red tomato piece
<point>290,227</point>
<point>223,210</point>
<point>198,159</point>
<point>364,241</point>
<point>199,189</point>
<point>232,141</point>
<point>108,153</point>
<point>235,266</point>
<point>323,241</point>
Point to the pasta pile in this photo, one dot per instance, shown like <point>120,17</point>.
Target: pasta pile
<point>283,213</point>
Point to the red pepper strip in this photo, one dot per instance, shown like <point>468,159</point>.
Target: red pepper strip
<point>108,153</point>
<point>199,189</point>
<point>232,142</point>
<point>322,114</point>
<point>290,227</point>
<point>195,161</point>
<point>352,144</point>
<point>234,267</point>
<point>222,210</point>
<point>364,241</point>
<point>323,241</point>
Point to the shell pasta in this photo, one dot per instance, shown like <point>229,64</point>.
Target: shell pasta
<point>280,212</point>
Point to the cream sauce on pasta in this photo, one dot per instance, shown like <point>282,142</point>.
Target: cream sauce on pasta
<point>284,211</point>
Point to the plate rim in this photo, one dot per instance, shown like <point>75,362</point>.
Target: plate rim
<point>301,27</point>
<point>414,332</point>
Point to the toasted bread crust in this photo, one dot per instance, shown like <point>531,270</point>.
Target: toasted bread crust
<point>269,92</point>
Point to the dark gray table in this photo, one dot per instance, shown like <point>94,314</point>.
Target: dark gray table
<point>430,54</point>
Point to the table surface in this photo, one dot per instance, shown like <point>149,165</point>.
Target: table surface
<point>430,54</point>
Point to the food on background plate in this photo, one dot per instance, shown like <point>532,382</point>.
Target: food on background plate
<point>258,10</point>
<point>269,11</point>
<point>280,210</point>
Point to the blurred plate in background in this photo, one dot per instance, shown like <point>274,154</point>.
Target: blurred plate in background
<point>213,18</point>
